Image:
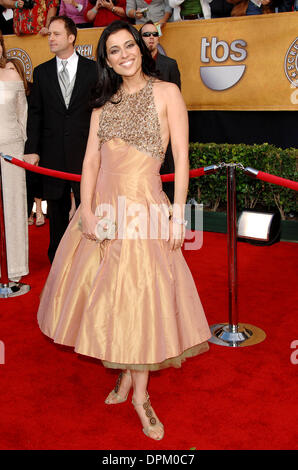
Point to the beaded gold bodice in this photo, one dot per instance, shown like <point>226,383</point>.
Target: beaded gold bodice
<point>133,119</point>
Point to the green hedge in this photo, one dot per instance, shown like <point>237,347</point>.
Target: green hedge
<point>251,193</point>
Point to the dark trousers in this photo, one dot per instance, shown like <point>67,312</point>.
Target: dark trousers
<point>34,188</point>
<point>58,214</point>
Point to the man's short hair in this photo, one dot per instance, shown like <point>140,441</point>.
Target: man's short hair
<point>69,24</point>
<point>147,22</point>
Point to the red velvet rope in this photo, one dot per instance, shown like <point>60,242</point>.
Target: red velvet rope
<point>192,174</point>
<point>277,180</point>
<point>169,177</point>
<point>74,177</point>
<point>45,171</point>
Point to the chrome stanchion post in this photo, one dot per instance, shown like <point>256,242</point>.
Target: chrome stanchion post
<point>232,247</point>
<point>7,288</point>
<point>233,334</point>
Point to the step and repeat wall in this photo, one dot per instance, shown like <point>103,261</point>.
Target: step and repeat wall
<point>241,64</point>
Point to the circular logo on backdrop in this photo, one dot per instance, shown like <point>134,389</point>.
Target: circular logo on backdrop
<point>23,57</point>
<point>291,63</point>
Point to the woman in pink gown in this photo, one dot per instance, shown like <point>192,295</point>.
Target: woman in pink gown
<point>119,288</point>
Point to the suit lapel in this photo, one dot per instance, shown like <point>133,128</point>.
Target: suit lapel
<point>53,80</point>
<point>79,79</point>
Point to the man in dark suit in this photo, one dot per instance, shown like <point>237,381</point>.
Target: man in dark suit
<point>169,72</point>
<point>58,121</point>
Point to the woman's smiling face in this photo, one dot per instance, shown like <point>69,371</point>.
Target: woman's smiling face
<point>123,53</point>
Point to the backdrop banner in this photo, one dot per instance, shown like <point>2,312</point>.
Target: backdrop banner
<point>244,63</point>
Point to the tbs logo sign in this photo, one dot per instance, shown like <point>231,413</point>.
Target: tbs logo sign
<point>221,77</point>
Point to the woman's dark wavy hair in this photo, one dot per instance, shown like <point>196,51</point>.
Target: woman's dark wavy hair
<point>109,81</point>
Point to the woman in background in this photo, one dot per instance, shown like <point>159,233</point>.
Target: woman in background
<point>75,9</point>
<point>13,118</point>
<point>34,20</point>
<point>33,180</point>
<point>6,23</point>
<point>104,12</point>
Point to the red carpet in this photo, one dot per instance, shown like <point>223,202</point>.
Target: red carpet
<point>244,398</point>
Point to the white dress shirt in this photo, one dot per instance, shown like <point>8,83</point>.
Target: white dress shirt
<point>72,65</point>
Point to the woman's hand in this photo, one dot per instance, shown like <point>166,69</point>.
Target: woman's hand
<point>89,222</point>
<point>107,5</point>
<point>177,235</point>
<point>31,158</point>
<point>44,31</point>
<point>138,14</point>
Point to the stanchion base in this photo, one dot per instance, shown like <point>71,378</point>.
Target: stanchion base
<point>246,335</point>
<point>13,289</point>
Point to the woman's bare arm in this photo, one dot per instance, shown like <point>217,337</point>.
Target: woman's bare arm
<point>91,167</point>
<point>178,128</point>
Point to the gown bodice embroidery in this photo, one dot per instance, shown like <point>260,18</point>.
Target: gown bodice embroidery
<point>133,119</point>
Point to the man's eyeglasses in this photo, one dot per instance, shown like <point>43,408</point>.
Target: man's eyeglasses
<point>147,35</point>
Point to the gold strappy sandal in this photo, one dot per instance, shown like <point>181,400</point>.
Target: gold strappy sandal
<point>114,393</point>
<point>152,420</point>
<point>31,219</point>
